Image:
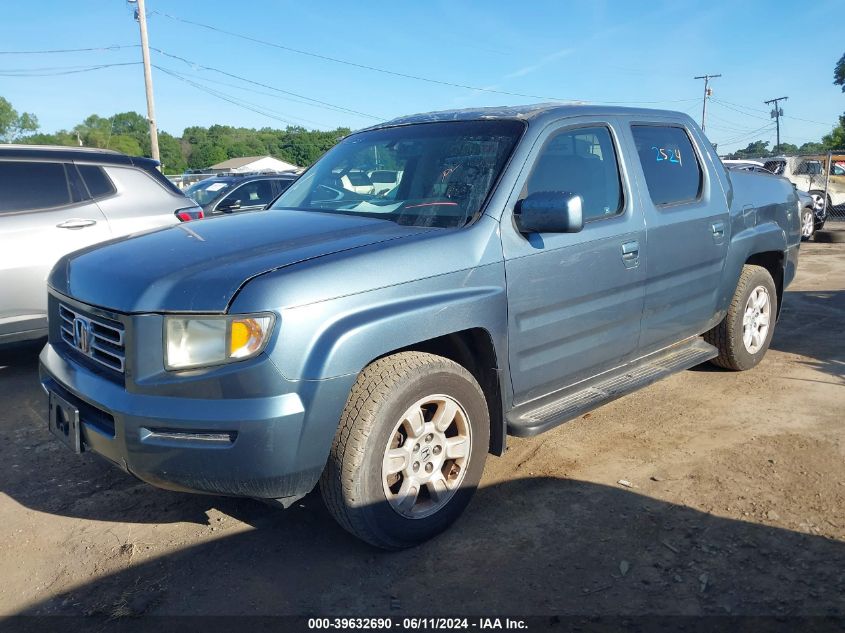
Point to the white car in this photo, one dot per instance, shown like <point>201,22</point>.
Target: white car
<point>54,200</point>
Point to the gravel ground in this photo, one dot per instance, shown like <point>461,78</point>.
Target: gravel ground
<point>736,505</point>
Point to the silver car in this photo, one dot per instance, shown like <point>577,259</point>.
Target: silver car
<point>54,200</point>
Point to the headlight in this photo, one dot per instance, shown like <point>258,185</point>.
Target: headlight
<point>214,340</point>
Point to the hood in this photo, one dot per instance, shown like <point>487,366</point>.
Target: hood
<point>200,266</point>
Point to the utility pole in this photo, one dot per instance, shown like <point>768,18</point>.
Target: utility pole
<point>707,93</point>
<point>141,16</point>
<point>777,113</point>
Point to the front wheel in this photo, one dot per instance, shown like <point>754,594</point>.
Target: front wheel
<point>745,333</point>
<point>808,223</point>
<point>409,451</point>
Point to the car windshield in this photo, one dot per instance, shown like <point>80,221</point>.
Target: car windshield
<point>205,191</point>
<point>427,174</point>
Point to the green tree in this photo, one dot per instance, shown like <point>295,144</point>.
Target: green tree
<point>811,148</point>
<point>785,148</point>
<point>125,144</point>
<point>14,125</point>
<point>839,73</point>
<point>754,150</point>
<point>170,149</point>
<point>207,155</point>
<point>836,139</point>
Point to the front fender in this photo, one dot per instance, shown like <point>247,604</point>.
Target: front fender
<point>342,336</point>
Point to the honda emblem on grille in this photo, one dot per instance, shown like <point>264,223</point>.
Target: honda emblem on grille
<point>82,334</point>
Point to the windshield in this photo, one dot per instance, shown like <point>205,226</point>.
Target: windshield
<point>205,191</point>
<point>428,174</point>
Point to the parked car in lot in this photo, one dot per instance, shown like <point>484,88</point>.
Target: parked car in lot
<point>808,173</point>
<point>531,264</point>
<point>54,200</point>
<point>228,193</point>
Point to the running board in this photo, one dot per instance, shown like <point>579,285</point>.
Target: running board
<point>546,413</point>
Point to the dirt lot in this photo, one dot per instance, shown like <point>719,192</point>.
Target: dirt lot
<point>737,506</point>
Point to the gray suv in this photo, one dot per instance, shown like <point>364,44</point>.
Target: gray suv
<point>528,265</point>
<point>54,200</point>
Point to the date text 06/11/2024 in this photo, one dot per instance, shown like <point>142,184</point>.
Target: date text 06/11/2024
<point>423,624</point>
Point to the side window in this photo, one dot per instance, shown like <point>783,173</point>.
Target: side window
<point>31,186</point>
<point>583,162</point>
<point>670,165</point>
<point>96,180</point>
<point>252,194</point>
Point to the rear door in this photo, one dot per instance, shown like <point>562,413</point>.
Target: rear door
<point>574,299</point>
<point>687,237</point>
<point>45,212</point>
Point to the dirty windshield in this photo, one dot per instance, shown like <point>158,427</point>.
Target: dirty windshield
<point>428,174</point>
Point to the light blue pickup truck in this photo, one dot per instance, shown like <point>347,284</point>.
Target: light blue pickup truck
<point>523,266</point>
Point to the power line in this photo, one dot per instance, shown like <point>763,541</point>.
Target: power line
<point>745,137</point>
<point>112,47</point>
<point>253,107</point>
<point>394,73</point>
<point>217,82</point>
<point>729,107</point>
<point>58,70</point>
<point>263,85</point>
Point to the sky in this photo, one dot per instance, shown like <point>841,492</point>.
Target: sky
<point>361,62</point>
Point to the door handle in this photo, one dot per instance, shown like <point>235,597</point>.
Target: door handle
<point>76,223</point>
<point>631,254</point>
<point>630,250</point>
<point>718,229</point>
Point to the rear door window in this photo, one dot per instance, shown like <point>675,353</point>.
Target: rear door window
<point>669,163</point>
<point>96,180</point>
<point>31,186</point>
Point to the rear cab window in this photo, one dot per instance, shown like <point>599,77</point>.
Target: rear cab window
<point>670,164</point>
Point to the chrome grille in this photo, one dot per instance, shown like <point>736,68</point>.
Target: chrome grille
<point>101,340</point>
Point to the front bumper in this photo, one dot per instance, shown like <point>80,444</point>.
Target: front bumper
<point>269,447</point>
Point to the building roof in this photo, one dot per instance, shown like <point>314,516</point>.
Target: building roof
<point>241,161</point>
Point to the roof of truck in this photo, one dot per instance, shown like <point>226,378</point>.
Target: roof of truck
<point>527,113</point>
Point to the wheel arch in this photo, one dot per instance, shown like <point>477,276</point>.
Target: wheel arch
<point>774,262</point>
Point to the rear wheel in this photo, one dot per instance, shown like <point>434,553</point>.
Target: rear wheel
<point>808,223</point>
<point>743,336</point>
<point>409,450</point>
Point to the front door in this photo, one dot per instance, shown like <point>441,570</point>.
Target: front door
<point>575,299</point>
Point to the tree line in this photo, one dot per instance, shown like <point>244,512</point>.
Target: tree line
<point>197,148</point>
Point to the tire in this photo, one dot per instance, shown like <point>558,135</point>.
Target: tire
<point>820,202</point>
<point>727,337</point>
<point>356,486</point>
<point>808,223</point>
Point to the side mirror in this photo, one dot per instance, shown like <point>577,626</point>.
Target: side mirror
<point>549,212</point>
<point>226,207</point>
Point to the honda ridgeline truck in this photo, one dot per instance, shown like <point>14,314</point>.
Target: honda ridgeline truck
<point>530,264</point>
